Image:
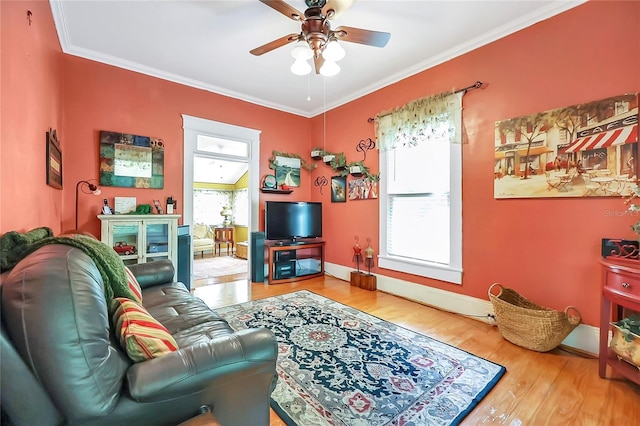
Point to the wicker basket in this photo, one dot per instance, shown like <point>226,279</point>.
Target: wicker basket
<point>531,326</point>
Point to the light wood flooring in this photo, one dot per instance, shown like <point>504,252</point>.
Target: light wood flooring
<point>554,388</point>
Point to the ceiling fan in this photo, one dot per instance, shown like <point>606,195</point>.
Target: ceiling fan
<point>316,36</point>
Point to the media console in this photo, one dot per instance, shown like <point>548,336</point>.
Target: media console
<point>294,261</point>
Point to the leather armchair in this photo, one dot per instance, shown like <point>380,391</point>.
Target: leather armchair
<point>62,365</point>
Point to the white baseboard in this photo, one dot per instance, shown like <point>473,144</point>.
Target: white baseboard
<point>584,338</point>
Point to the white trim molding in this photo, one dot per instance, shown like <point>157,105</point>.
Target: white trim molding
<point>585,338</point>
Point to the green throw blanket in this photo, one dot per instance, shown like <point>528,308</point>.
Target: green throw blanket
<point>15,246</point>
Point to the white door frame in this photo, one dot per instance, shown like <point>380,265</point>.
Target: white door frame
<point>194,126</point>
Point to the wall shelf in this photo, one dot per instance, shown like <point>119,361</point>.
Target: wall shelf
<point>276,191</point>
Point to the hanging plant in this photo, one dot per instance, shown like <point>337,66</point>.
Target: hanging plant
<point>339,162</point>
<point>317,153</point>
<point>273,163</point>
<point>357,169</point>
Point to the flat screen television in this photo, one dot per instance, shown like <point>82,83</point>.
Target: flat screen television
<point>292,220</point>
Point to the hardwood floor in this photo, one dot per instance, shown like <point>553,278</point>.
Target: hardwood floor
<point>554,388</point>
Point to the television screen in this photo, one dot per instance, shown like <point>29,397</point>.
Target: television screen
<point>290,220</point>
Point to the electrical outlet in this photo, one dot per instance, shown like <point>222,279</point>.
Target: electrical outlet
<point>491,319</point>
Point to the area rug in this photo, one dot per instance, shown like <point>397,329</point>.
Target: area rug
<point>209,267</point>
<point>340,366</point>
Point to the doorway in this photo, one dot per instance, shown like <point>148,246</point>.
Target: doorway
<point>211,151</point>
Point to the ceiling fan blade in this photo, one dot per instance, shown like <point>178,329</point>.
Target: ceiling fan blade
<point>318,62</point>
<point>335,8</point>
<point>282,41</point>
<point>285,9</point>
<point>358,35</point>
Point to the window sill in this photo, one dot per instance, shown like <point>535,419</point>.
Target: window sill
<point>423,269</point>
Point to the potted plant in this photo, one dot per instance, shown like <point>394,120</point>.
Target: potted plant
<point>316,153</point>
<point>339,162</point>
<point>328,158</point>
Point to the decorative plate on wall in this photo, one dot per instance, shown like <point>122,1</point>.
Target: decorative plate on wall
<point>269,181</point>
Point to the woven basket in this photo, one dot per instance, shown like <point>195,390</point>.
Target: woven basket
<point>531,326</point>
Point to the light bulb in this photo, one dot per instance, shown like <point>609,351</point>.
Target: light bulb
<point>329,69</point>
<point>333,51</point>
<point>300,67</point>
<point>302,51</point>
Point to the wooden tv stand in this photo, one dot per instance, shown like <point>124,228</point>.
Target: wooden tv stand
<point>295,261</point>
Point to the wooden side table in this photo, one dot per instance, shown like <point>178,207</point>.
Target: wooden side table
<point>620,293</point>
<point>223,236</point>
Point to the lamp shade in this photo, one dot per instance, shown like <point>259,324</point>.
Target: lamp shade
<point>333,51</point>
<point>329,69</point>
<point>302,51</point>
<point>300,67</point>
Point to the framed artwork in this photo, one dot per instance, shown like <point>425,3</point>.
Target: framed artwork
<point>338,189</point>
<point>54,160</point>
<point>288,171</point>
<point>586,150</point>
<point>363,189</point>
<point>131,161</point>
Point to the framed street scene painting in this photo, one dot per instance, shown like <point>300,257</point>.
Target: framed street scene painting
<point>586,150</point>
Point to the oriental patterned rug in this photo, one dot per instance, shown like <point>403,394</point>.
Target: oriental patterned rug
<point>210,267</point>
<point>340,366</point>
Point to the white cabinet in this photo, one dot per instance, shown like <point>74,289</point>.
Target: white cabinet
<point>142,238</point>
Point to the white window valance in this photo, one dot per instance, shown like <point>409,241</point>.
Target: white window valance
<point>433,117</point>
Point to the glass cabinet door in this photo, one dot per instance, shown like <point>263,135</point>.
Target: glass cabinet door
<point>157,240</point>
<point>126,241</point>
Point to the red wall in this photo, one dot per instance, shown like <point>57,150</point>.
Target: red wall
<point>30,90</point>
<point>545,248</point>
<point>100,97</point>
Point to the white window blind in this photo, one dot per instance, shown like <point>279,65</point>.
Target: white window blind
<point>421,198</point>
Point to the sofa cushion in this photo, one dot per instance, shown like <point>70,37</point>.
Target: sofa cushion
<point>140,334</point>
<point>134,286</point>
<point>54,298</point>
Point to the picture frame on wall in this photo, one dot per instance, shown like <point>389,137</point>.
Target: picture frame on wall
<point>54,160</point>
<point>338,189</point>
<point>583,151</point>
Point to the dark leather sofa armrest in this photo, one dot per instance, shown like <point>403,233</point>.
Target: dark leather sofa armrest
<point>190,369</point>
<point>153,273</point>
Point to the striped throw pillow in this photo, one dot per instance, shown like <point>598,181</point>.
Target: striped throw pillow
<point>134,286</point>
<point>141,335</point>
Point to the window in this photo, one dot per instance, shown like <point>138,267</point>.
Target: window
<point>421,193</point>
<point>241,207</point>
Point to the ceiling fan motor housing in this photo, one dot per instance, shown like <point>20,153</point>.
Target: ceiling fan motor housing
<point>316,31</point>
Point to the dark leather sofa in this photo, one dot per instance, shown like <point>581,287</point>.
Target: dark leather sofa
<point>60,362</point>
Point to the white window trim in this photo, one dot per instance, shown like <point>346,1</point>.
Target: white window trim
<point>450,273</point>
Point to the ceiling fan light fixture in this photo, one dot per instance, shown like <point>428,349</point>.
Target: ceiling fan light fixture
<point>300,67</point>
<point>329,69</point>
<point>302,51</point>
<point>333,51</point>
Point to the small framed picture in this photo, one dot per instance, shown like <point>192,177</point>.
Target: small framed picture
<point>54,160</point>
<point>338,189</point>
<point>158,206</point>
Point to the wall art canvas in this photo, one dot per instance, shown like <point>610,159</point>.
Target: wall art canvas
<point>338,189</point>
<point>131,161</point>
<point>288,171</point>
<point>585,150</point>
<point>54,160</point>
<point>363,189</point>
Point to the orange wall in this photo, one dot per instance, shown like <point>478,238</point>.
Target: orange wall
<point>545,248</point>
<point>548,249</point>
<point>100,97</point>
<point>30,90</point>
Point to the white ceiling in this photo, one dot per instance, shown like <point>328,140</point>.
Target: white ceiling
<point>211,170</point>
<point>206,44</point>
